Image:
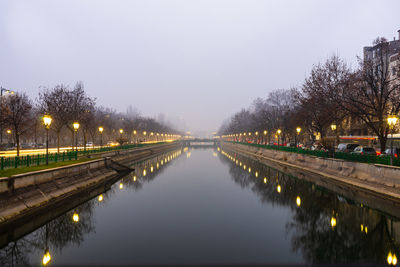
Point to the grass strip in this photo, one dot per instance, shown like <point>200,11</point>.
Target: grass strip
<point>13,171</point>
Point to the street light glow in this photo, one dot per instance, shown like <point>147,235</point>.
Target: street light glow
<point>47,120</point>
<point>333,127</point>
<point>333,222</point>
<point>46,257</point>
<point>101,129</point>
<point>75,217</point>
<point>76,126</point>
<point>298,130</point>
<point>392,120</point>
<point>298,201</point>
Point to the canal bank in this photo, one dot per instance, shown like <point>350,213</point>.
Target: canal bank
<point>375,179</point>
<point>24,195</point>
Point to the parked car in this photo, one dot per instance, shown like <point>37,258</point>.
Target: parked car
<point>347,148</point>
<point>364,150</point>
<point>291,145</point>
<point>389,152</point>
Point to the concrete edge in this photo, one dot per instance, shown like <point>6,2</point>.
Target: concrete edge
<point>386,191</point>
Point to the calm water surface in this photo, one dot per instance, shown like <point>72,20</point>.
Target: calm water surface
<point>208,206</point>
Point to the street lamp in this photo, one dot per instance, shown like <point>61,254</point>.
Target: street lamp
<point>9,133</point>
<point>298,130</point>
<point>76,127</point>
<point>134,133</point>
<point>101,129</point>
<point>333,128</point>
<point>278,133</point>
<point>265,136</point>
<point>392,120</point>
<point>47,121</point>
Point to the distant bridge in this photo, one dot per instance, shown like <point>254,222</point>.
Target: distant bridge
<point>200,142</point>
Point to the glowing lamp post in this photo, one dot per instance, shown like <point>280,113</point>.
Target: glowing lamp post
<point>9,135</point>
<point>134,133</point>
<point>76,127</point>
<point>265,135</point>
<point>101,129</point>
<point>298,130</point>
<point>333,128</point>
<point>278,133</point>
<point>47,122</point>
<point>392,120</point>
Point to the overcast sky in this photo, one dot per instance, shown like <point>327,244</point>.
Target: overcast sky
<point>200,61</point>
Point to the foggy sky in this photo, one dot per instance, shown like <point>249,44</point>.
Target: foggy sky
<point>200,61</point>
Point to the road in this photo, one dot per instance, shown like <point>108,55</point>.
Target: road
<point>25,152</point>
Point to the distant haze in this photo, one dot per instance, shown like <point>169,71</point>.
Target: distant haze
<point>197,62</point>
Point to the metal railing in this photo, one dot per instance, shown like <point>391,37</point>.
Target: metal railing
<point>372,159</point>
<point>40,159</point>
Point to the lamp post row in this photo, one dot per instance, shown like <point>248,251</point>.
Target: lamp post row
<point>47,122</point>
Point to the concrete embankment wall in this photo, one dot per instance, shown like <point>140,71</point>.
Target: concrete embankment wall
<point>376,178</point>
<point>24,194</point>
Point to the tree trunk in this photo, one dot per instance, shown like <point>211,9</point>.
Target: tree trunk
<point>84,140</point>
<point>382,141</point>
<point>17,141</point>
<point>58,142</point>
<point>73,141</point>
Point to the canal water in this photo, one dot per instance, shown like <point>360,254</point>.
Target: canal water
<point>202,205</point>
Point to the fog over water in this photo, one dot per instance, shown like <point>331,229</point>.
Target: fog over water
<point>195,61</point>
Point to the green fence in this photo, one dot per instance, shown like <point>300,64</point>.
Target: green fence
<point>337,155</point>
<point>36,160</point>
<point>40,159</point>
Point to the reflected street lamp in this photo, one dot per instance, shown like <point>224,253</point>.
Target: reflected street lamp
<point>75,217</point>
<point>47,122</point>
<point>46,257</point>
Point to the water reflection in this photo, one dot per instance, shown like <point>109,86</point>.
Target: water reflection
<point>66,230</point>
<point>44,244</point>
<point>320,225</point>
<point>325,227</point>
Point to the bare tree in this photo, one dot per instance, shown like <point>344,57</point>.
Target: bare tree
<point>373,93</point>
<point>18,115</point>
<point>55,102</point>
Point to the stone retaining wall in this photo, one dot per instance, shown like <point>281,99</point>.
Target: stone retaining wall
<point>385,178</point>
<point>26,194</point>
<point>8,184</point>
